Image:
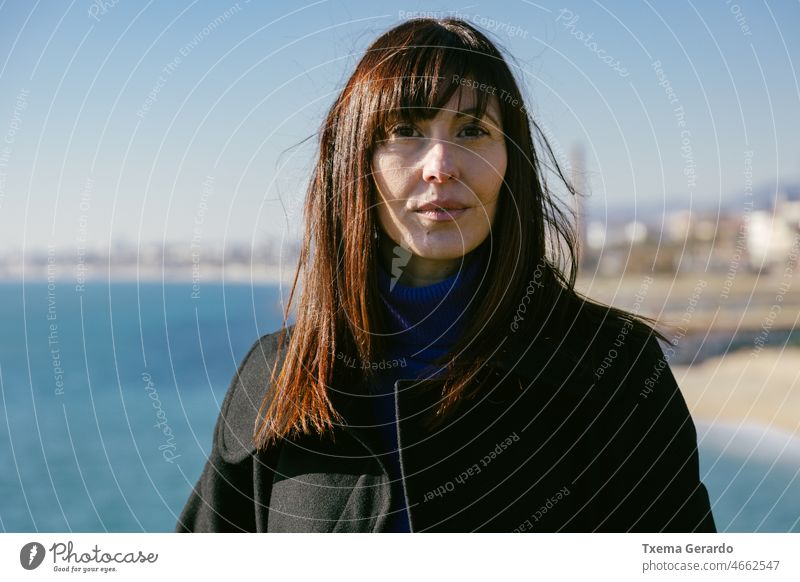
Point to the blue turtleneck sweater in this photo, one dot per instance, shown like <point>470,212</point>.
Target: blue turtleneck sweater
<point>423,324</point>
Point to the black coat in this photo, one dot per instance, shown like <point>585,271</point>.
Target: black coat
<point>600,439</point>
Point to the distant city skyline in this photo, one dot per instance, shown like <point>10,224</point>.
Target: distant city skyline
<point>186,121</point>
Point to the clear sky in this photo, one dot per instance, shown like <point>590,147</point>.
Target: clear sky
<point>125,120</point>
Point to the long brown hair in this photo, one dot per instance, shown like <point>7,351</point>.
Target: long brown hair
<point>413,69</point>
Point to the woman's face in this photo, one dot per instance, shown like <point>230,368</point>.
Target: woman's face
<point>439,180</point>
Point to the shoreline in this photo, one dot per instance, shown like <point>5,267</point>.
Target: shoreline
<point>745,386</point>
<point>748,440</point>
<point>263,276</point>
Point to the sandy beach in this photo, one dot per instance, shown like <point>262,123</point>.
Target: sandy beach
<point>749,316</point>
<point>702,302</point>
<point>753,386</point>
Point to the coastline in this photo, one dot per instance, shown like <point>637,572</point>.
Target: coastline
<point>746,386</point>
<point>234,273</point>
<point>749,440</point>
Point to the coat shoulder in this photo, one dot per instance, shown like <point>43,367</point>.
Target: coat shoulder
<point>239,412</point>
<point>620,358</point>
<point>595,356</point>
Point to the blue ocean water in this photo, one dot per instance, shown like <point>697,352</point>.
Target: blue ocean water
<point>107,417</point>
<point>108,398</point>
<point>752,474</point>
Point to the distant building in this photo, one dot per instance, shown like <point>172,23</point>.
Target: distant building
<point>771,234</point>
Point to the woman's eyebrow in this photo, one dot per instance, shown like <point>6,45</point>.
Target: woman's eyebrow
<point>472,112</point>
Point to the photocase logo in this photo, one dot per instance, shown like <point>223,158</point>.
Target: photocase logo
<point>31,555</point>
<point>401,257</point>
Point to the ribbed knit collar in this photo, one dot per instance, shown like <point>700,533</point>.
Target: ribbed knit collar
<point>431,316</point>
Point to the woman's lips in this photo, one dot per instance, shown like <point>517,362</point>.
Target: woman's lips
<point>442,214</point>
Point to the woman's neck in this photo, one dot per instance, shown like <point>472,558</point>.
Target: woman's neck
<point>416,271</point>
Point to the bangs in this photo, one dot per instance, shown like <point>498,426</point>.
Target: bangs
<point>398,92</point>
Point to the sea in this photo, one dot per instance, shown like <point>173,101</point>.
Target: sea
<point>109,395</point>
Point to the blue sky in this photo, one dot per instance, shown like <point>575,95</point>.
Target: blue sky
<point>85,153</point>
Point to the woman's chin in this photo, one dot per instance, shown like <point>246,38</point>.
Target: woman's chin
<point>445,252</point>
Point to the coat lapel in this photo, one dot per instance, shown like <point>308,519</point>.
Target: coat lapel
<point>507,461</point>
<point>454,474</point>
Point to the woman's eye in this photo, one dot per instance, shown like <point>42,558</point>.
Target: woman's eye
<point>474,130</point>
<point>402,131</point>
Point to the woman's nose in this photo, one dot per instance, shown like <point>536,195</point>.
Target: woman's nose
<point>439,163</point>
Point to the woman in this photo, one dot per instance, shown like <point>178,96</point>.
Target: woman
<point>443,374</point>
